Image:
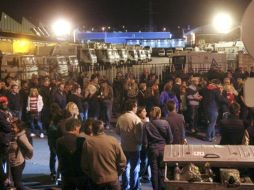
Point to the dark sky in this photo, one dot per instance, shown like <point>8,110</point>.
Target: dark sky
<point>132,13</point>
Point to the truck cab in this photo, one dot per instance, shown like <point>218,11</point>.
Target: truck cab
<point>132,56</point>
<point>54,66</point>
<point>87,56</point>
<point>123,55</point>
<point>141,55</point>
<point>105,56</point>
<point>22,66</point>
<point>116,56</point>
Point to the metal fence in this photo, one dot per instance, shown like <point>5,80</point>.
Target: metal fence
<point>110,72</point>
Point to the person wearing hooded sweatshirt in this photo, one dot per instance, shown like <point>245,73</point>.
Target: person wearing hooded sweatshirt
<point>167,95</point>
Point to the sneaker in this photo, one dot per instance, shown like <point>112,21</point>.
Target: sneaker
<point>32,135</point>
<point>42,135</point>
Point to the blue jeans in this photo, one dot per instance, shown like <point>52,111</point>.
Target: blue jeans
<point>35,118</point>
<point>212,117</point>
<point>133,158</point>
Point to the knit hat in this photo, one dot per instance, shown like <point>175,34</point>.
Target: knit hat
<point>3,99</point>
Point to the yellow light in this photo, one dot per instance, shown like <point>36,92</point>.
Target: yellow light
<point>21,46</point>
<point>61,27</point>
<point>222,22</point>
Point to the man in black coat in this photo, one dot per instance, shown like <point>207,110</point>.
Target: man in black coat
<point>59,96</point>
<point>14,101</point>
<point>232,128</point>
<point>45,93</point>
<point>177,124</point>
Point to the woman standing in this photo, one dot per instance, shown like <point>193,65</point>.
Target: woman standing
<point>157,134</point>
<point>144,174</point>
<point>20,149</point>
<point>34,107</point>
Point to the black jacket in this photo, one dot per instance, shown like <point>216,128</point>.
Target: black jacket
<point>232,131</point>
<point>157,134</point>
<point>60,99</point>
<point>69,148</point>
<point>14,101</point>
<point>77,100</point>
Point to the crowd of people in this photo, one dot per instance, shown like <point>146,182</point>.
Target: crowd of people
<point>150,114</point>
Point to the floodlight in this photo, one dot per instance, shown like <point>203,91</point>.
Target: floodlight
<point>223,22</point>
<point>61,27</point>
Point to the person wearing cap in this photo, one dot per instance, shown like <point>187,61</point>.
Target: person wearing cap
<point>5,136</point>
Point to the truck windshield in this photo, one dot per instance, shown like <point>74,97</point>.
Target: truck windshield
<point>92,51</point>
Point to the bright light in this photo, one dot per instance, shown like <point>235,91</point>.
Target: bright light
<point>223,23</point>
<point>22,46</point>
<point>61,28</point>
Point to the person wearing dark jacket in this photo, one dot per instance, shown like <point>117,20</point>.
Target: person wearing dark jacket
<point>5,136</point>
<point>157,134</point>
<point>76,97</point>
<point>177,124</point>
<point>45,93</point>
<point>212,99</point>
<point>14,101</point>
<point>59,96</point>
<point>24,93</point>
<point>69,148</point>
<point>232,128</point>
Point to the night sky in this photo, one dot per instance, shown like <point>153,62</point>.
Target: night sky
<point>134,14</point>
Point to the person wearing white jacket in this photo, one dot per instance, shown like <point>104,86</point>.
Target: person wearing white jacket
<point>34,107</point>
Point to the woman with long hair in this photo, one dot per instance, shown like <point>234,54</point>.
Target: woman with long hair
<point>34,107</point>
<point>20,150</point>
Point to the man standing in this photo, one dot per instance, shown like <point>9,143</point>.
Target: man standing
<point>69,148</point>
<point>129,127</point>
<point>60,96</point>
<point>177,124</point>
<point>102,159</point>
<point>45,113</point>
<point>212,99</point>
<point>232,128</point>
<point>193,99</point>
<point>14,101</point>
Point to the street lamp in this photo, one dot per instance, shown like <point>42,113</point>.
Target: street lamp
<point>103,29</point>
<point>223,23</point>
<point>61,28</point>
